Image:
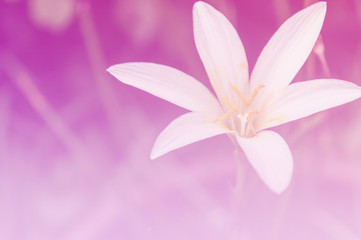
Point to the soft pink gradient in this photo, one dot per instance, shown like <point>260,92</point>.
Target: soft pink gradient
<point>75,142</point>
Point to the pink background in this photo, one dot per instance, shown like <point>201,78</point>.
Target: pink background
<point>75,142</point>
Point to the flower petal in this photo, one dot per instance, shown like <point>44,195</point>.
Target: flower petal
<point>288,49</point>
<point>270,156</point>
<point>221,51</point>
<point>302,99</point>
<point>169,84</point>
<point>184,130</point>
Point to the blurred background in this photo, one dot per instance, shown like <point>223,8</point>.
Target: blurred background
<point>75,142</point>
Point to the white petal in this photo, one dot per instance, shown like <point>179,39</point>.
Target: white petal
<point>221,51</point>
<point>184,130</point>
<point>270,156</point>
<point>288,49</point>
<point>302,99</point>
<point>169,84</point>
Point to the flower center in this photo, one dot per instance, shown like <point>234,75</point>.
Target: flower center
<point>240,116</point>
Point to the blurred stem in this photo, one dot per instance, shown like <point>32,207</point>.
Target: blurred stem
<point>105,90</point>
<point>319,50</point>
<point>239,185</point>
<point>282,10</point>
<point>355,160</point>
<point>280,211</point>
<point>240,176</point>
<point>38,101</point>
<point>238,190</point>
<point>310,66</point>
<point>357,201</point>
<point>5,113</point>
<point>357,75</point>
<point>331,225</point>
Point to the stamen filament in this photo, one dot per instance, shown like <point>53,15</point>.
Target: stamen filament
<point>230,112</point>
<point>244,124</point>
<point>248,101</point>
<point>254,94</point>
<point>238,92</point>
<point>230,104</point>
<point>225,116</point>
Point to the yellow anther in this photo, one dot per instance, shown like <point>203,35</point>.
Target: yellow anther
<point>230,104</point>
<point>230,112</point>
<point>254,93</point>
<point>245,123</point>
<point>252,112</point>
<point>225,116</point>
<point>248,101</point>
<point>238,92</point>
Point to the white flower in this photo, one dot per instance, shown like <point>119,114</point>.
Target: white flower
<point>245,106</point>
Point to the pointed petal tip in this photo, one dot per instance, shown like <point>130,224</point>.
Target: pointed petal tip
<point>201,7</point>
<point>289,47</point>
<point>157,152</point>
<point>111,69</point>
<point>323,3</point>
<point>322,6</point>
<point>303,99</point>
<point>153,156</point>
<point>167,83</point>
<point>221,50</point>
<point>199,4</point>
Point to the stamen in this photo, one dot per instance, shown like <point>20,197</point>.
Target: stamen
<point>248,101</point>
<point>254,94</point>
<point>252,112</point>
<point>225,116</point>
<point>230,112</point>
<point>230,104</point>
<point>238,92</point>
<point>245,123</point>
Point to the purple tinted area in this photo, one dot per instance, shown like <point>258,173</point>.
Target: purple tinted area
<point>75,142</point>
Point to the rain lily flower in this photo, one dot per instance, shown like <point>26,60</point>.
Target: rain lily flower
<point>245,106</point>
